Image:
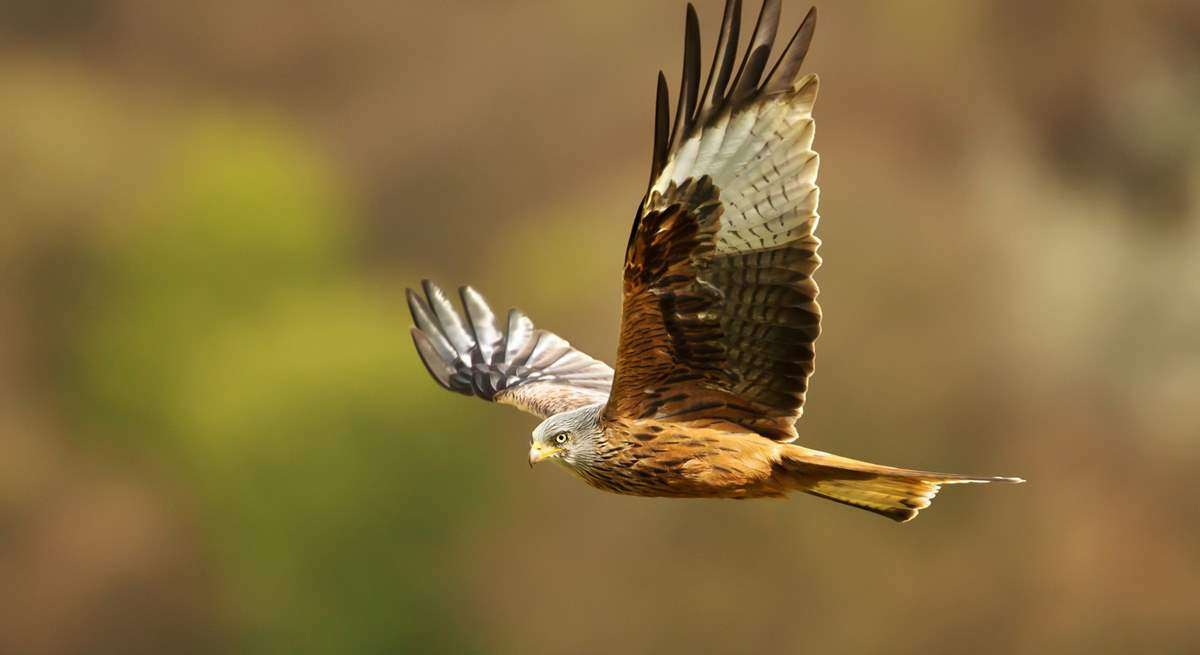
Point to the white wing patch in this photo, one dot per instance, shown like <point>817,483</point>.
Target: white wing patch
<point>762,162</point>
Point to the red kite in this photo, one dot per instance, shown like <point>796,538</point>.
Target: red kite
<point>720,308</point>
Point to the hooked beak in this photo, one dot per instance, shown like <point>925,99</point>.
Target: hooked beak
<point>538,453</point>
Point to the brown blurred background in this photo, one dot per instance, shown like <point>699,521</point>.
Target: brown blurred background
<point>215,436</point>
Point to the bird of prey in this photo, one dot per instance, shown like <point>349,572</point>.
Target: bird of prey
<point>719,315</point>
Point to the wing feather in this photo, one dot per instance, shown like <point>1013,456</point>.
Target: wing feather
<point>488,340</point>
<point>755,61</point>
<point>449,322</point>
<point>689,85</point>
<point>785,71</point>
<point>534,370</point>
<point>720,313</point>
<point>724,54</point>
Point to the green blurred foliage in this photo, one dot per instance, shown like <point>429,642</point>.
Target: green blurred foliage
<point>230,329</point>
<point>238,217</point>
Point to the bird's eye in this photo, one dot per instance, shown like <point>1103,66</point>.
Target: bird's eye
<point>561,438</point>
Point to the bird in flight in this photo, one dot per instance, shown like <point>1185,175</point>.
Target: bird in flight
<point>719,314</point>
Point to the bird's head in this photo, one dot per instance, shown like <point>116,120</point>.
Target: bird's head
<point>571,438</point>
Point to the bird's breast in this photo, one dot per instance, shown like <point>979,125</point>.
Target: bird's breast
<point>654,458</point>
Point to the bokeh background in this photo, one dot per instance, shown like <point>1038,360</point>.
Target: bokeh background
<point>215,436</point>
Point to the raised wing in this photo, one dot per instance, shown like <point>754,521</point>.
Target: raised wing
<point>531,369</point>
<point>720,311</point>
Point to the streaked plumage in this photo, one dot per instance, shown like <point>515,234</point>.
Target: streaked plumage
<point>720,309</point>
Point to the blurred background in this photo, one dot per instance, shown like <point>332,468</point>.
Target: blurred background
<point>215,436</point>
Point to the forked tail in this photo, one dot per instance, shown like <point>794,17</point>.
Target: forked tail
<point>896,493</point>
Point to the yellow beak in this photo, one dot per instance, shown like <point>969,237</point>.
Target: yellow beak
<point>538,453</point>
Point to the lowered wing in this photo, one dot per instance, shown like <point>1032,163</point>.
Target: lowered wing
<point>514,364</point>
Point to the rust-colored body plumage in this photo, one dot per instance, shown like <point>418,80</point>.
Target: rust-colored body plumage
<point>715,459</point>
<point>704,458</point>
<point>720,313</point>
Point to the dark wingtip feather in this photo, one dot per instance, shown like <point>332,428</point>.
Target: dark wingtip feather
<point>662,120</point>
<point>723,58</point>
<point>783,74</point>
<point>758,52</point>
<point>723,91</point>
<point>689,84</point>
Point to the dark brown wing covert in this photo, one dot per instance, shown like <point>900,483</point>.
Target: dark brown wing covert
<point>720,312</point>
